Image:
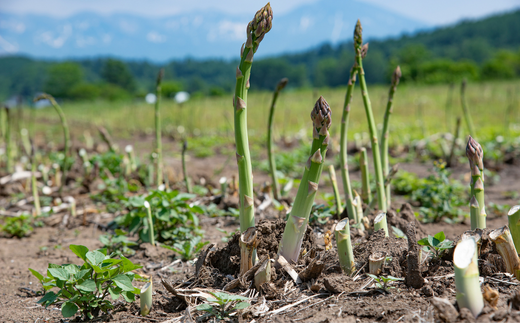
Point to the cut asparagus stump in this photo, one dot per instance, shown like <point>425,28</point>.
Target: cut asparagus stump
<point>475,156</point>
<point>366,194</point>
<point>358,205</point>
<point>263,274</point>
<point>385,133</point>
<point>248,243</point>
<point>146,298</point>
<point>272,163</point>
<point>376,262</point>
<point>151,235</point>
<point>256,30</point>
<point>337,197</point>
<point>380,223</point>
<point>467,276</point>
<point>299,216</point>
<point>361,51</point>
<point>345,253</point>
<point>343,145</point>
<point>506,248</point>
<point>514,225</point>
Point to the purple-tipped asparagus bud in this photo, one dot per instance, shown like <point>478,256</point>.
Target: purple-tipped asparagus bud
<point>283,82</point>
<point>160,76</point>
<point>364,51</point>
<point>358,35</point>
<point>261,23</point>
<point>396,76</point>
<point>475,156</point>
<point>321,116</point>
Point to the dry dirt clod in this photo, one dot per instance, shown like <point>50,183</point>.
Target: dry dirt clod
<point>313,270</point>
<point>466,316</point>
<point>491,296</point>
<point>445,309</point>
<point>413,278</point>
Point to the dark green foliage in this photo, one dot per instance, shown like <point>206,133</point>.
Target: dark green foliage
<point>62,78</point>
<point>221,308</point>
<point>86,288</point>
<point>118,243</point>
<point>117,72</point>
<point>436,244</point>
<point>187,249</point>
<point>19,226</point>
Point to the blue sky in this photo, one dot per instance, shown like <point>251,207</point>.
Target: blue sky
<point>431,12</point>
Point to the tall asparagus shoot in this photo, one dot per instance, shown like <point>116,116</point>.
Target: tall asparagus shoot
<point>34,187</point>
<point>158,140</point>
<point>151,234</point>
<point>466,276</point>
<point>361,51</point>
<point>66,134</point>
<point>514,224</point>
<point>475,156</point>
<point>465,110</point>
<point>299,216</point>
<point>366,194</point>
<point>272,163</point>
<point>256,30</point>
<point>8,144</point>
<point>384,135</point>
<point>184,171</point>
<point>345,253</point>
<point>337,197</point>
<point>349,200</point>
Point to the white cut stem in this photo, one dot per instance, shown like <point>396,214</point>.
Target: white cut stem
<point>467,276</point>
<point>380,223</point>
<point>506,248</point>
<point>146,298</point>
<point>514,225</point>
<point>376,262</point>
<point>248,243</point>
<point>345,253</point>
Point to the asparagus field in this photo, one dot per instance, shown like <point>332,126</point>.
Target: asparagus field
<point>218,209</point>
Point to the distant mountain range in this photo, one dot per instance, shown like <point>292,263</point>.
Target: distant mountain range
<point>202,34</point>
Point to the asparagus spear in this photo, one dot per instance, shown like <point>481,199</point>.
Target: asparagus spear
<point>343,145</point>
<point>184,171</point>
<point>464,103</point>
<point>466,276</point>
<point>158,141</point>
<point>514,224</point>
<point>475,156</point>
<point>272,163</point>
<point>384,135</point>
<point>299,216</point>
<point>345,253</point>
<point>256,30</point>
<point>66,135</point>
<point>361,51</point>
<point>366,194</point>
<point>337,198</point>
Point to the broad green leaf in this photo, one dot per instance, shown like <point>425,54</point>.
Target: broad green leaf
<point>59,273</point>
<point>95,257</point>
<point>123,282</point>
<point>82,273</point>
<point>423,242</point>
<point>110,262</point>
<point>69,309</point>
<point>204,307</point>
<point>440,236</point>
<point>114,292</point>
<point>48,299</point>
<point>71,269</point>
<point>36,274</point>
<point>128,296</point>
<point>80,251</point>
<point>241,306</point>
<point>184,197</point>
<point>127,265</point>
<point>88,285</point>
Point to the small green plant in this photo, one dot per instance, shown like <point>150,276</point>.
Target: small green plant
<point>382,281</point>
<point>118,243</point>
<point>85,288</point>
<point>187,249</point>
<point>19,226</point>
<point>221,306</point>
<point>436,244</point>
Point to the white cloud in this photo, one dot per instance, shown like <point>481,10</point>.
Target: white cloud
<point>305,22</point>
<point>7,47</point>
<point>50,39</point>
<point>155,37</point>
<point>228,30</point>
<point>128,26</point>
<point>12,25</point>
<point>107,39</point>
<point>82,41</point>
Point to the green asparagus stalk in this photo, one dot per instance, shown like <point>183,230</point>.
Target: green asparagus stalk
<point>361,51</point>
<point>299,216</point>
<point>146,298</point>
<point>380,223</point>
<point>345,253</point>
<point>184,171</point>
<point>384,135</point>
<point>466,276</point>
<point>337,197</point>
<point>131,157</point>
<point>475,156</point>
<point>514,225</point>
<point>450,160</point>
<point>343,144</point>
<point>8,143</point>
<point>26,142</point>
<point>34,187</point>
<point>151,234</point>
<point>158,140</point>
<point>366,194</point>
<point>66,134</point>
<point>256,30</point>
<point>272,163</point>
<point>465,110</point>
<point>358,206</point>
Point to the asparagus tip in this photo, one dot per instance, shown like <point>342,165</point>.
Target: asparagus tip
<point>358,34</point>
<point>396,76</point>
<point>283,82</point>
<point>513,210</point>
<point>160,76</point>
<point>475,154</point>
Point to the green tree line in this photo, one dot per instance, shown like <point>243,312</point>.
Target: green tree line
<point>484,49</point>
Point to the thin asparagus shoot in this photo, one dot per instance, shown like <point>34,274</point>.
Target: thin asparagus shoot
<point>475,156</point>
<point>456,135</point>
<point>380,223</point>
<point>299,216</point>
<point>345,253</point>
<point>385,133</point>
<point>66,134</point>
<point>514,225</point>
<point>158,139</point>
<point>34,187</point>
<point>337,197</point>
<point>366,193</point>
<point>345,177</point>
<point>8,143</point>
<point>466,276</point>
<point>151,235</point>
<point>272,162</point>
<point>465,109</point>
<point>184,171</point>
<point>256,30</point>
<point>361,51</point>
